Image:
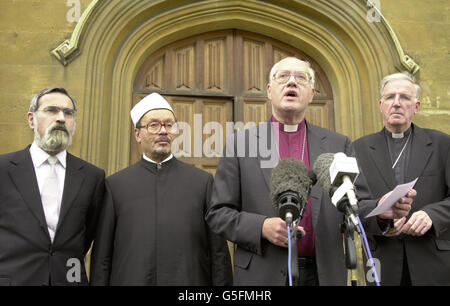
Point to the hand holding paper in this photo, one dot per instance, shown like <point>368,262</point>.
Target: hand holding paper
<point>395,195</point>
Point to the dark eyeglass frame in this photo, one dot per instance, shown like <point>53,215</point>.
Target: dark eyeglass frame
<point>170,129</point>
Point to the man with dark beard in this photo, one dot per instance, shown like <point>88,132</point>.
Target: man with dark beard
<point>152,229</point>
<point>49,200</point>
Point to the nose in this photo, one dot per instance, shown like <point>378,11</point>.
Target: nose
<point>291,80</point>
<point>60,117</point>
<point>396,100</point>
<point>161,131</point>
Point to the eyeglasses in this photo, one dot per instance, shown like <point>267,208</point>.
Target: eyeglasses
<point>54,110</point>
<point>156,126</point>
<point>300,77</point>
<point>403,98</point>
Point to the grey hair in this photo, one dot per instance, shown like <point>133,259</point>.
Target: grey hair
<point>310,70</point>
<point>34,105</point>
<point>400,76</point>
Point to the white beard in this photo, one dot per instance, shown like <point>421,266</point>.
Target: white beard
<point>53,141</point>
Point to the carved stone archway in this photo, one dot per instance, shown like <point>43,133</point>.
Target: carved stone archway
<point>115,37</point>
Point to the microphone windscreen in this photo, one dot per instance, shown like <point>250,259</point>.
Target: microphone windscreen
<point>321,168</point>
<point>289,174</point>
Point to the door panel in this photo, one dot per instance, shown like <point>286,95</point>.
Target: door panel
<point>218,78</point>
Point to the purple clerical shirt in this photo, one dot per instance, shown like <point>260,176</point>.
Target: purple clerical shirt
<point>290,145</point>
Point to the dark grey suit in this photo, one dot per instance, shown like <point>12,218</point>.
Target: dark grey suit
<point>428,255</point>
<point>241,202</point>
<point>27,256</point>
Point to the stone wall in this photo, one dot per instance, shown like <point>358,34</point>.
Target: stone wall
<point>30,29</point>
<point>422,28</point>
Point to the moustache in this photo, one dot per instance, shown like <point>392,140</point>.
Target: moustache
<point>163,138</point>
<point>58,127</point>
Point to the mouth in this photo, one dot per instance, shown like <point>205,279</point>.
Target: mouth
<point>291,93</point>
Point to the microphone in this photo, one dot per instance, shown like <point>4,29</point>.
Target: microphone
<point>321,168</point>
<point>343,172</point>
<point>336,174</point>
<point>289,188</point>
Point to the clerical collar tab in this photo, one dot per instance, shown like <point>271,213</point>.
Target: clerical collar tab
<point>399,135</point>
<point>290,128</point>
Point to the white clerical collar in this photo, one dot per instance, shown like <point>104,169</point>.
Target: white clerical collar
<point>152,161</point>
<point>39,156</point>
<point>290,128</point>
<point>398,135</point>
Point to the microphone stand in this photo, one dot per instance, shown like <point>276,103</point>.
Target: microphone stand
<point>290,203</point>
<point>293,252</point>
<point>348,230</point>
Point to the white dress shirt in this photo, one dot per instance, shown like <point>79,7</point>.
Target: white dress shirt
<point>42,170</point>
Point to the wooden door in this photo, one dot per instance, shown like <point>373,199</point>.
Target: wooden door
<point>220,78</point>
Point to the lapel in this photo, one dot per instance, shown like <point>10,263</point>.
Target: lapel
<point>72,185</point>
<point>421,151</point>
<point>379,153</point>
<point>24,178</point>
<point>316,146</point>
<point>266,143</point>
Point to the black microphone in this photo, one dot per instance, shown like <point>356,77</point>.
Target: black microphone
<point>335,174</point>
<point>289,189</point>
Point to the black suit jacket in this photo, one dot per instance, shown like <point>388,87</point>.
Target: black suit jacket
<point>27,256</point>
<point>241,202</point>
<point>429,255</point>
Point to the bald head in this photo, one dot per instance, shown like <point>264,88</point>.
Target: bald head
<point>293,60</point>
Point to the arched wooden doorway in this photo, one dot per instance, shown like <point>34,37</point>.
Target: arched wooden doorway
<point>221,77</point>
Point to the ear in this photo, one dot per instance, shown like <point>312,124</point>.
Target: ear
<point>313,90</point>
<point>380,103</point>
<point>417,107</point>
<point>137,135</point>
<point>30,117</point>
<point>268,89</point>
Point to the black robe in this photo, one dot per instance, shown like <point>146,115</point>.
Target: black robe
<point>152,229</point>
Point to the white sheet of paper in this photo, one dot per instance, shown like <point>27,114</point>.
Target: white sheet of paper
<point>398,192</point>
